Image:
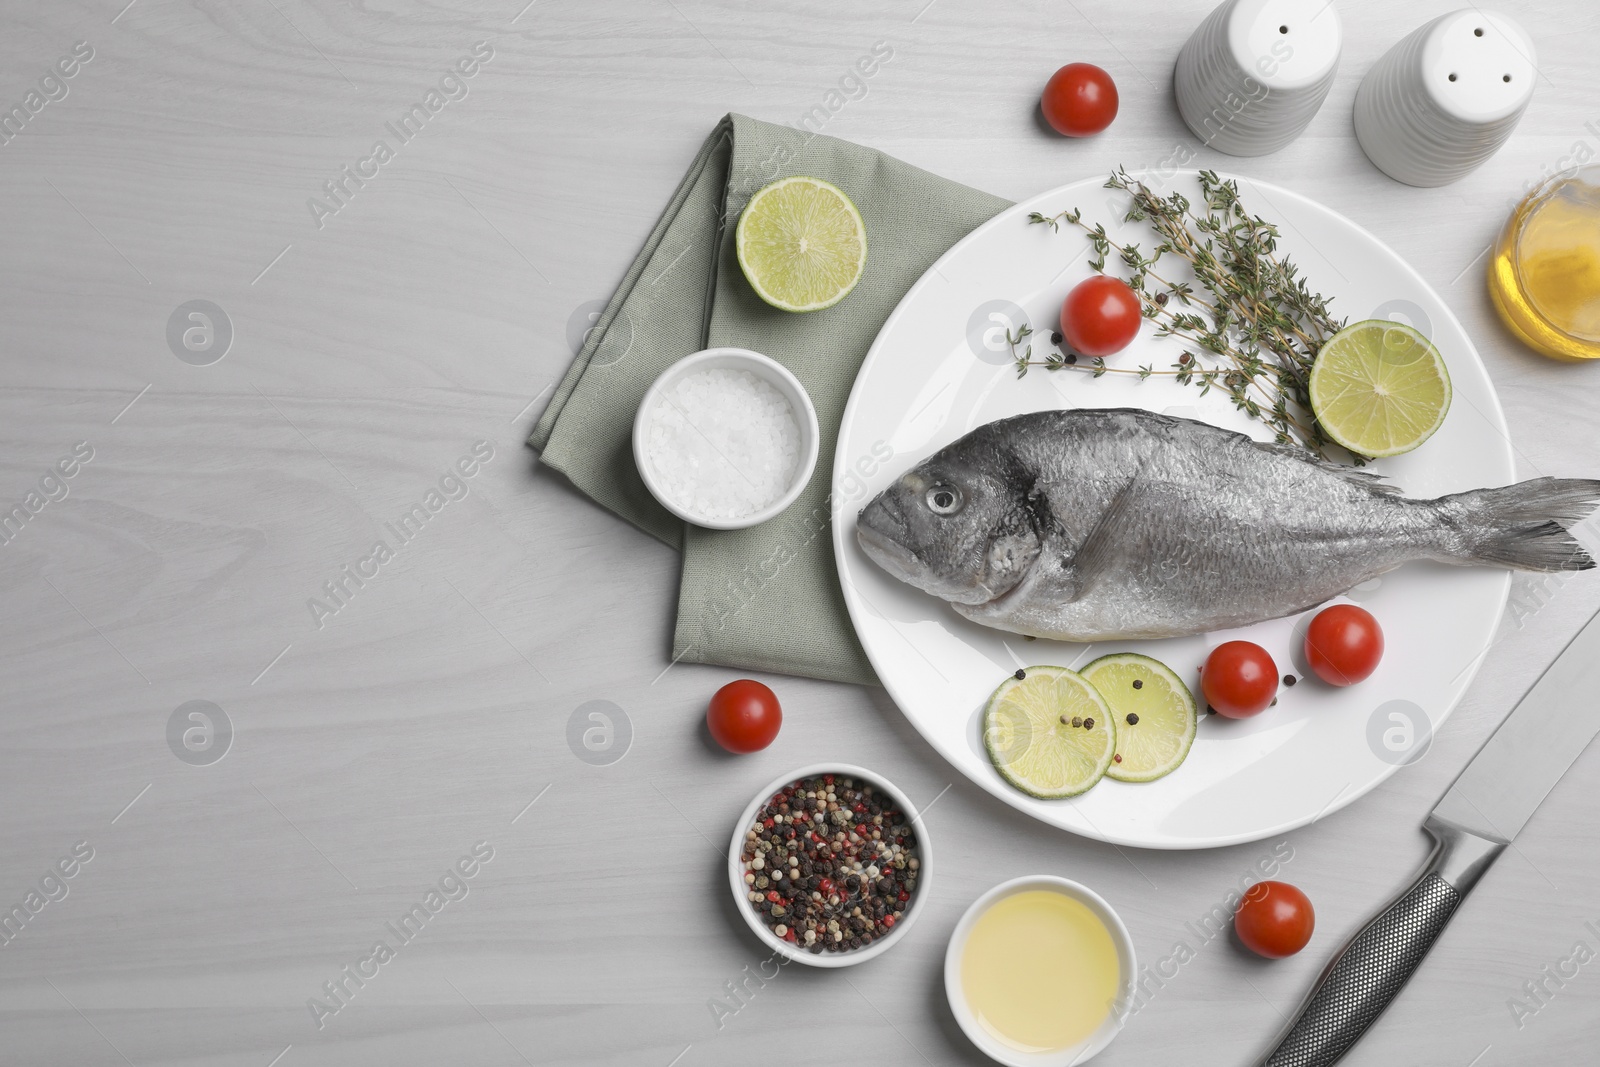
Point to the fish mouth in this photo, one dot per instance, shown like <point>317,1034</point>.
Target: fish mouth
<point>882,547</point>
<point>888,553</point>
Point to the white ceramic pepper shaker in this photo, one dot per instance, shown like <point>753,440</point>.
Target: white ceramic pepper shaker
<point>1446,97</point>
<point>1254,73</point>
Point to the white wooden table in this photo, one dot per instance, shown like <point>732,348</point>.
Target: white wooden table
<point>374,746</point>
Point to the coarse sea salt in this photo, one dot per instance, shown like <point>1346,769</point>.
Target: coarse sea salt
<point>723,443</point>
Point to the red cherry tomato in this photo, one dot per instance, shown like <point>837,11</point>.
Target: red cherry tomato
<point>1100,316</point>
<point>1079,99</point>
<point>744,716</point>
<point>1344,644</point>
<point>1274,920</point>
<point>1239,679</point>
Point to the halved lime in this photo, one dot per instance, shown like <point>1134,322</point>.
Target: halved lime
<point>1049,733</point>
<point>801,244</point>
<point>1379,388</point>
<point>1154,711</point>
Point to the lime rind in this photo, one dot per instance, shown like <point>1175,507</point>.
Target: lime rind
<point>1159,742</point>
<point>801,244</point>
<point>1379,388</point>
<point>1033,749</point>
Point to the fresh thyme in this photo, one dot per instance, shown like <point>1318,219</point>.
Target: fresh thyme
<point>1257,324</point>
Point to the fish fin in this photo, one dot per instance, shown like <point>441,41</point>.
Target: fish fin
<point>1100,544</point>
<point>1523,525</point>
<point>1368,480</point>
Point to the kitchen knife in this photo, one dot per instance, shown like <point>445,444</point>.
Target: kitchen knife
<point>1478,816</point>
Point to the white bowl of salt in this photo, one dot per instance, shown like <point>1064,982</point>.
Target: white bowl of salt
<point>725,438</point>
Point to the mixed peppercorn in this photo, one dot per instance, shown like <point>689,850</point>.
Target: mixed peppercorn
<point>830,865</point>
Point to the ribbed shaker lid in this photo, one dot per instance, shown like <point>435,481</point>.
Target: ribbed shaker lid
<point>1286,45</point>
<point>1477,66</point>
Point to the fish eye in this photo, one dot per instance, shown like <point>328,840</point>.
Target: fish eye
<point>944,500</point>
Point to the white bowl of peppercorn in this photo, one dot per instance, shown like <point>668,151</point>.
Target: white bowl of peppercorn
<point>829,865</point>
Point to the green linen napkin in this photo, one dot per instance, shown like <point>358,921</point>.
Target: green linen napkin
<point>766,598</point>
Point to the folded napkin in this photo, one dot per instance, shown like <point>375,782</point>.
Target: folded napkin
<point>765,598</point>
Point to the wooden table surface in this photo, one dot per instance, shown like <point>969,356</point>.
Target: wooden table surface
<point>366,351</point>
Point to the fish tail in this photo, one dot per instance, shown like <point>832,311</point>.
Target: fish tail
<point>1525,526</point>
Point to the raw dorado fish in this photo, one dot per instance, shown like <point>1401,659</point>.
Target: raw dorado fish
<point>1090,525</point>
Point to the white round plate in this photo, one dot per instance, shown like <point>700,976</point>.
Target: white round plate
<point>940,367</point>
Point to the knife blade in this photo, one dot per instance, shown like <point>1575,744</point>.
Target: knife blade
<point>1487,806</point>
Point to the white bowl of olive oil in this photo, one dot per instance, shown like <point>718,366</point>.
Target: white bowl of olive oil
<point>1040,972</point>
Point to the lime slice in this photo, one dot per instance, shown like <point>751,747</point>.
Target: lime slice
<point>1030,737</point>
<point>1379,388</point>
<point>1154,712</point>
<point>801,244</point>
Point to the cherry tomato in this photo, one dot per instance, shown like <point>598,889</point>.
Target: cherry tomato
<point>1079,99</point>
<point>1274,920</point>
<point>744,716</point>
<point>1100,316</point>
<point>1239,679</point>
<point>1344,644</point>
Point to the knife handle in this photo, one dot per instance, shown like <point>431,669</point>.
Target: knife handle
<point>1370,969</point>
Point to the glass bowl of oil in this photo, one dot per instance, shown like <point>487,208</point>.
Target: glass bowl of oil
<point>1544,275</point>
<point>1039,972</point>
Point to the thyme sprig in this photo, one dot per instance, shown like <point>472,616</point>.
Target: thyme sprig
<point>1250,324</point>
<point>1058,360</point>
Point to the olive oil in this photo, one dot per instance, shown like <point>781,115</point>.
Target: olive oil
<point>1040,971</point>
<point>1544,275</point>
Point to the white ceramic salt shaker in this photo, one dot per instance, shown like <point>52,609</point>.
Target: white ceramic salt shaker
<point>1252,76</point>
<point>1446,97</point>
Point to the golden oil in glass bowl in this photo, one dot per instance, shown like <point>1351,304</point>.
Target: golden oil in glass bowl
<point>1544,275</point>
